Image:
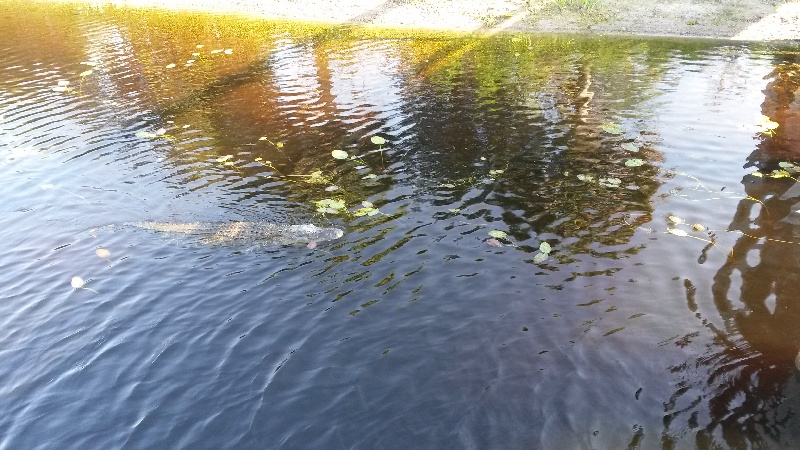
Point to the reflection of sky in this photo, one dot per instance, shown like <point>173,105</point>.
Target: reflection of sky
<point>294,70</point>
<point>365,83</point>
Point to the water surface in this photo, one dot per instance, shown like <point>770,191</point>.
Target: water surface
<point>564,243</point>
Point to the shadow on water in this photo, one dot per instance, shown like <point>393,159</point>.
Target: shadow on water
<point>504,279</point>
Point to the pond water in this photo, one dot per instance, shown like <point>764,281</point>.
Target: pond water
<point>566,242</point>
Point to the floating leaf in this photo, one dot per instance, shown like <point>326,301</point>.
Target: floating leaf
<point>263,138</point>
<point>366,211</point>
<point>86,73</point>
<point>145,134</point>
<point>496,172</point>
<point>369,176</point>
<point>766,125</point>
<point>586,178</point>
<point>60,88</point>
<point>367,204</point>
<point>199,46</point>
<point>279,145</point>
<point>103,253</point>
<point>331,188</point>
<point>312,245</point>
<point>339,154</point>
<point>258,159</point>
<point>757,174</point>
<point>224,158</point>
<point>675,219</point>
<point>63,83</point>
<point>631,147</point>
<point>698,227</point>
<point>330,205</point>
<point>377,140</point>
<point>455,210</point>
<point>196,54</point>
<point>540,258</point>
<point>678,232</point>
<point>170,66</point>
<point>611,128</point>
<point>493,242</point>
<point>780,174</point>
<point>498,234</point>
<point>634,162</point>
<point>77,282</point>
<point>228,51</point>
<point>545,248</point>
<point>610,182</point>
<point>161,131</point>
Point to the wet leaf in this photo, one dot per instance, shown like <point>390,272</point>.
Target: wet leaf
<point>766,125</point>
<point>611,128</point>
<point>339,154</point>
<point>331,188</point>
<point>199,46</point>
<point>330,204</point>
<point>698,227</point>
<point>455,210</point>
<point>540,258</point>
<point>498,234</point>
<point>279,144</point>
<point>377,140</point>
<point>675,219</point>
<point>77,282</point>
<point>161,131</point>
<point>631,147</point>
<point>496,172</point>
<point>493,242</point>
<point>102,252</point>
<point>757,174</point>
<point>63,83</point>
<point>367,204</point>
<point>587,178</point>
<point>369,176</point>
<point>60,89</point>
<point>228,51</point>
<point>170,66</point>
<point>366,211</point>
<point>780,174</point>
<point>545,248</point>
<point>222,159</point>
<point>86,73</point>
<point>678,232</point>
<point>634,162</point>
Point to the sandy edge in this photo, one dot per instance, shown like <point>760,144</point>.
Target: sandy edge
<point>756,20</point>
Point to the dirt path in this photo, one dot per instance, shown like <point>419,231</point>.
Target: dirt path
<point>729,19</point>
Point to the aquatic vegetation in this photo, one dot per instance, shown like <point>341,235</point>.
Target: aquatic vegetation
<point>612,128</point>
<point>766,126</point>
<point>79,283</point>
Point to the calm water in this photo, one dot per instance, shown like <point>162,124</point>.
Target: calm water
<point>566,247</point>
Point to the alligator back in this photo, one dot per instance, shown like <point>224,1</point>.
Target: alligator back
<point>246,232</point>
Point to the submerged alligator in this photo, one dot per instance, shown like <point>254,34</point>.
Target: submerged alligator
<point>246,232</point>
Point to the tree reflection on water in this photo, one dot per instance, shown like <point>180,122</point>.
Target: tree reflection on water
<point>740,393</point>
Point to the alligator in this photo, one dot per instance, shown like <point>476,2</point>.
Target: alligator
<point>246,232</point>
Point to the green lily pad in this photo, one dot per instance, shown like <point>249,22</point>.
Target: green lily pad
<point>634,162</point>
<point>611,128</point>
<point>377,140</point>
<point>631,147</point>
<point>339,154</point>
<point>497,234</point>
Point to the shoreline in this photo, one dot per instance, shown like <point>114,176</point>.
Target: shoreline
<point>746,20</point>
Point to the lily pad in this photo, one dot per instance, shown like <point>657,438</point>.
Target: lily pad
<point>497,234</point>
<point>540,258</point>
<point>339,154</point>
<point>677,232</point>
<point>545,248</point>
<point>634,162</point>
<point>377,140</point>
<point>611,128</point>
<point>630,146</point>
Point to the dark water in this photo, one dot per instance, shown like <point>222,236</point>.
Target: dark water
<point>416,329</point>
